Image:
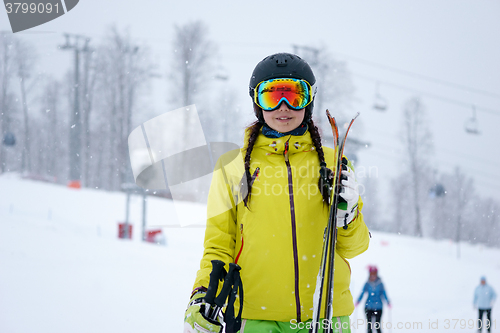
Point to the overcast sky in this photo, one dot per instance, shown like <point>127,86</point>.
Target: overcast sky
<point>445,51</point>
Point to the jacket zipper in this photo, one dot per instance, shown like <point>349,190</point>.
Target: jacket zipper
<point>254,177</point>
<point>241,248</point>
<point>294,233</point>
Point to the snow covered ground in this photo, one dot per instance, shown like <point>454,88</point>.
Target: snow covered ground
<point>63,269</point>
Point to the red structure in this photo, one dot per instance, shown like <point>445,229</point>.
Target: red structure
<point>154,236</point>
<point>76,184</point>
<point>122,230</point>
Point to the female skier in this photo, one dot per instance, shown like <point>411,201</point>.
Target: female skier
<point>374,288</point>
<point>266,211</point>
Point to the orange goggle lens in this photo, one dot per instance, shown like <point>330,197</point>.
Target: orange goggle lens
<point>297,94</point>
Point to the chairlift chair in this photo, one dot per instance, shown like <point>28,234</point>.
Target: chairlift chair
<point>221,73</point>
<point>471,124</point>
<point>437,191</point>
<point>380,103</point>
<point>9,139</point>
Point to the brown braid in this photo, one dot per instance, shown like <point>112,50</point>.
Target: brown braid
<point>316,138</point>
<point>252,137</point>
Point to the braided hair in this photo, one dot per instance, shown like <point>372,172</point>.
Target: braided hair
<point>254,129</point>
<point>316,138</point>
<point>247,181</point>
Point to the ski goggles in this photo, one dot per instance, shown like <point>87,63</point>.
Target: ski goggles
<point>297,94</point>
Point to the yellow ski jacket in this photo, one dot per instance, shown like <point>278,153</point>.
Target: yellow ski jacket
<point>278,241</point>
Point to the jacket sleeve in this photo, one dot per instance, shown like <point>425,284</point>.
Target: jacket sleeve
<point>362,292</point>
<point>475,296</point>
<point>385,294</point>
<point>355,239</point>
<point>220,233</point>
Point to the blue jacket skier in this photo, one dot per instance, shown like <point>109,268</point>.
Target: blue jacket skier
<point>373,307</point>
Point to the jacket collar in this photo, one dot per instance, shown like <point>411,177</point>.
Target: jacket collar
<point>271,133</point>
<point>374,283</point>
<point>296,143</point>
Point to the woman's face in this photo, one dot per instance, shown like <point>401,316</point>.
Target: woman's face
<point>284,119</point>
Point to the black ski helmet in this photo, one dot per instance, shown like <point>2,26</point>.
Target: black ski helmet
<point>282,65</point>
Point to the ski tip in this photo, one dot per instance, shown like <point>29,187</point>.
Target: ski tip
<point>331,119</point>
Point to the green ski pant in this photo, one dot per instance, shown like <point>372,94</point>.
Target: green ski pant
<point>339,324</point>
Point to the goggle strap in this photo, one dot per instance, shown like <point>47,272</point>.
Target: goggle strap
<point>314,89</point>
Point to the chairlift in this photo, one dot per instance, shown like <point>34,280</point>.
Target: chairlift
<point>221,77</point>
<point>437,191</point>
<point>380,103</point>
<point>471,125</point>
<point>221,74</point>
<point>9,139</point>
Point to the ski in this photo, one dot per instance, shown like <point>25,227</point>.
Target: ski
<point>330,237</point>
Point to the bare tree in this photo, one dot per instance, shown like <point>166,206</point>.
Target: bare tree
<point>333,80</point>
<point>461,194</point>
<point>403,216</point>
<point>485,221</point>
<point>122,67</point>
<point>53,128</point>
<point>6,94</point>
<point>417,142</point>
<point>90,75</point>
<point>25,60</point>
<point>192,62</point>
<point>371,202</point>
<point>191,66</point>
<point>335,92</point>
<point>443,221</point>
<point>231,121</point>
<point>336,86</point>
<point>453,210</point>
<point>109,119</point>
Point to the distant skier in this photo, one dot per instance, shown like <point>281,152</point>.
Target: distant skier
<point>484,297</point>
<point>373,307</point>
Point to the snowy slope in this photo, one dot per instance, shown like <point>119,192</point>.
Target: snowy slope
<point>62,268</point>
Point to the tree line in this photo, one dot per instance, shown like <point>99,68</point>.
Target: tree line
<point>100,101</point>
<point>429,203</point>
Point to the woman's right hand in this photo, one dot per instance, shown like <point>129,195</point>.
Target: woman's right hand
<point>347,208</point>
<point>194,321</point>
